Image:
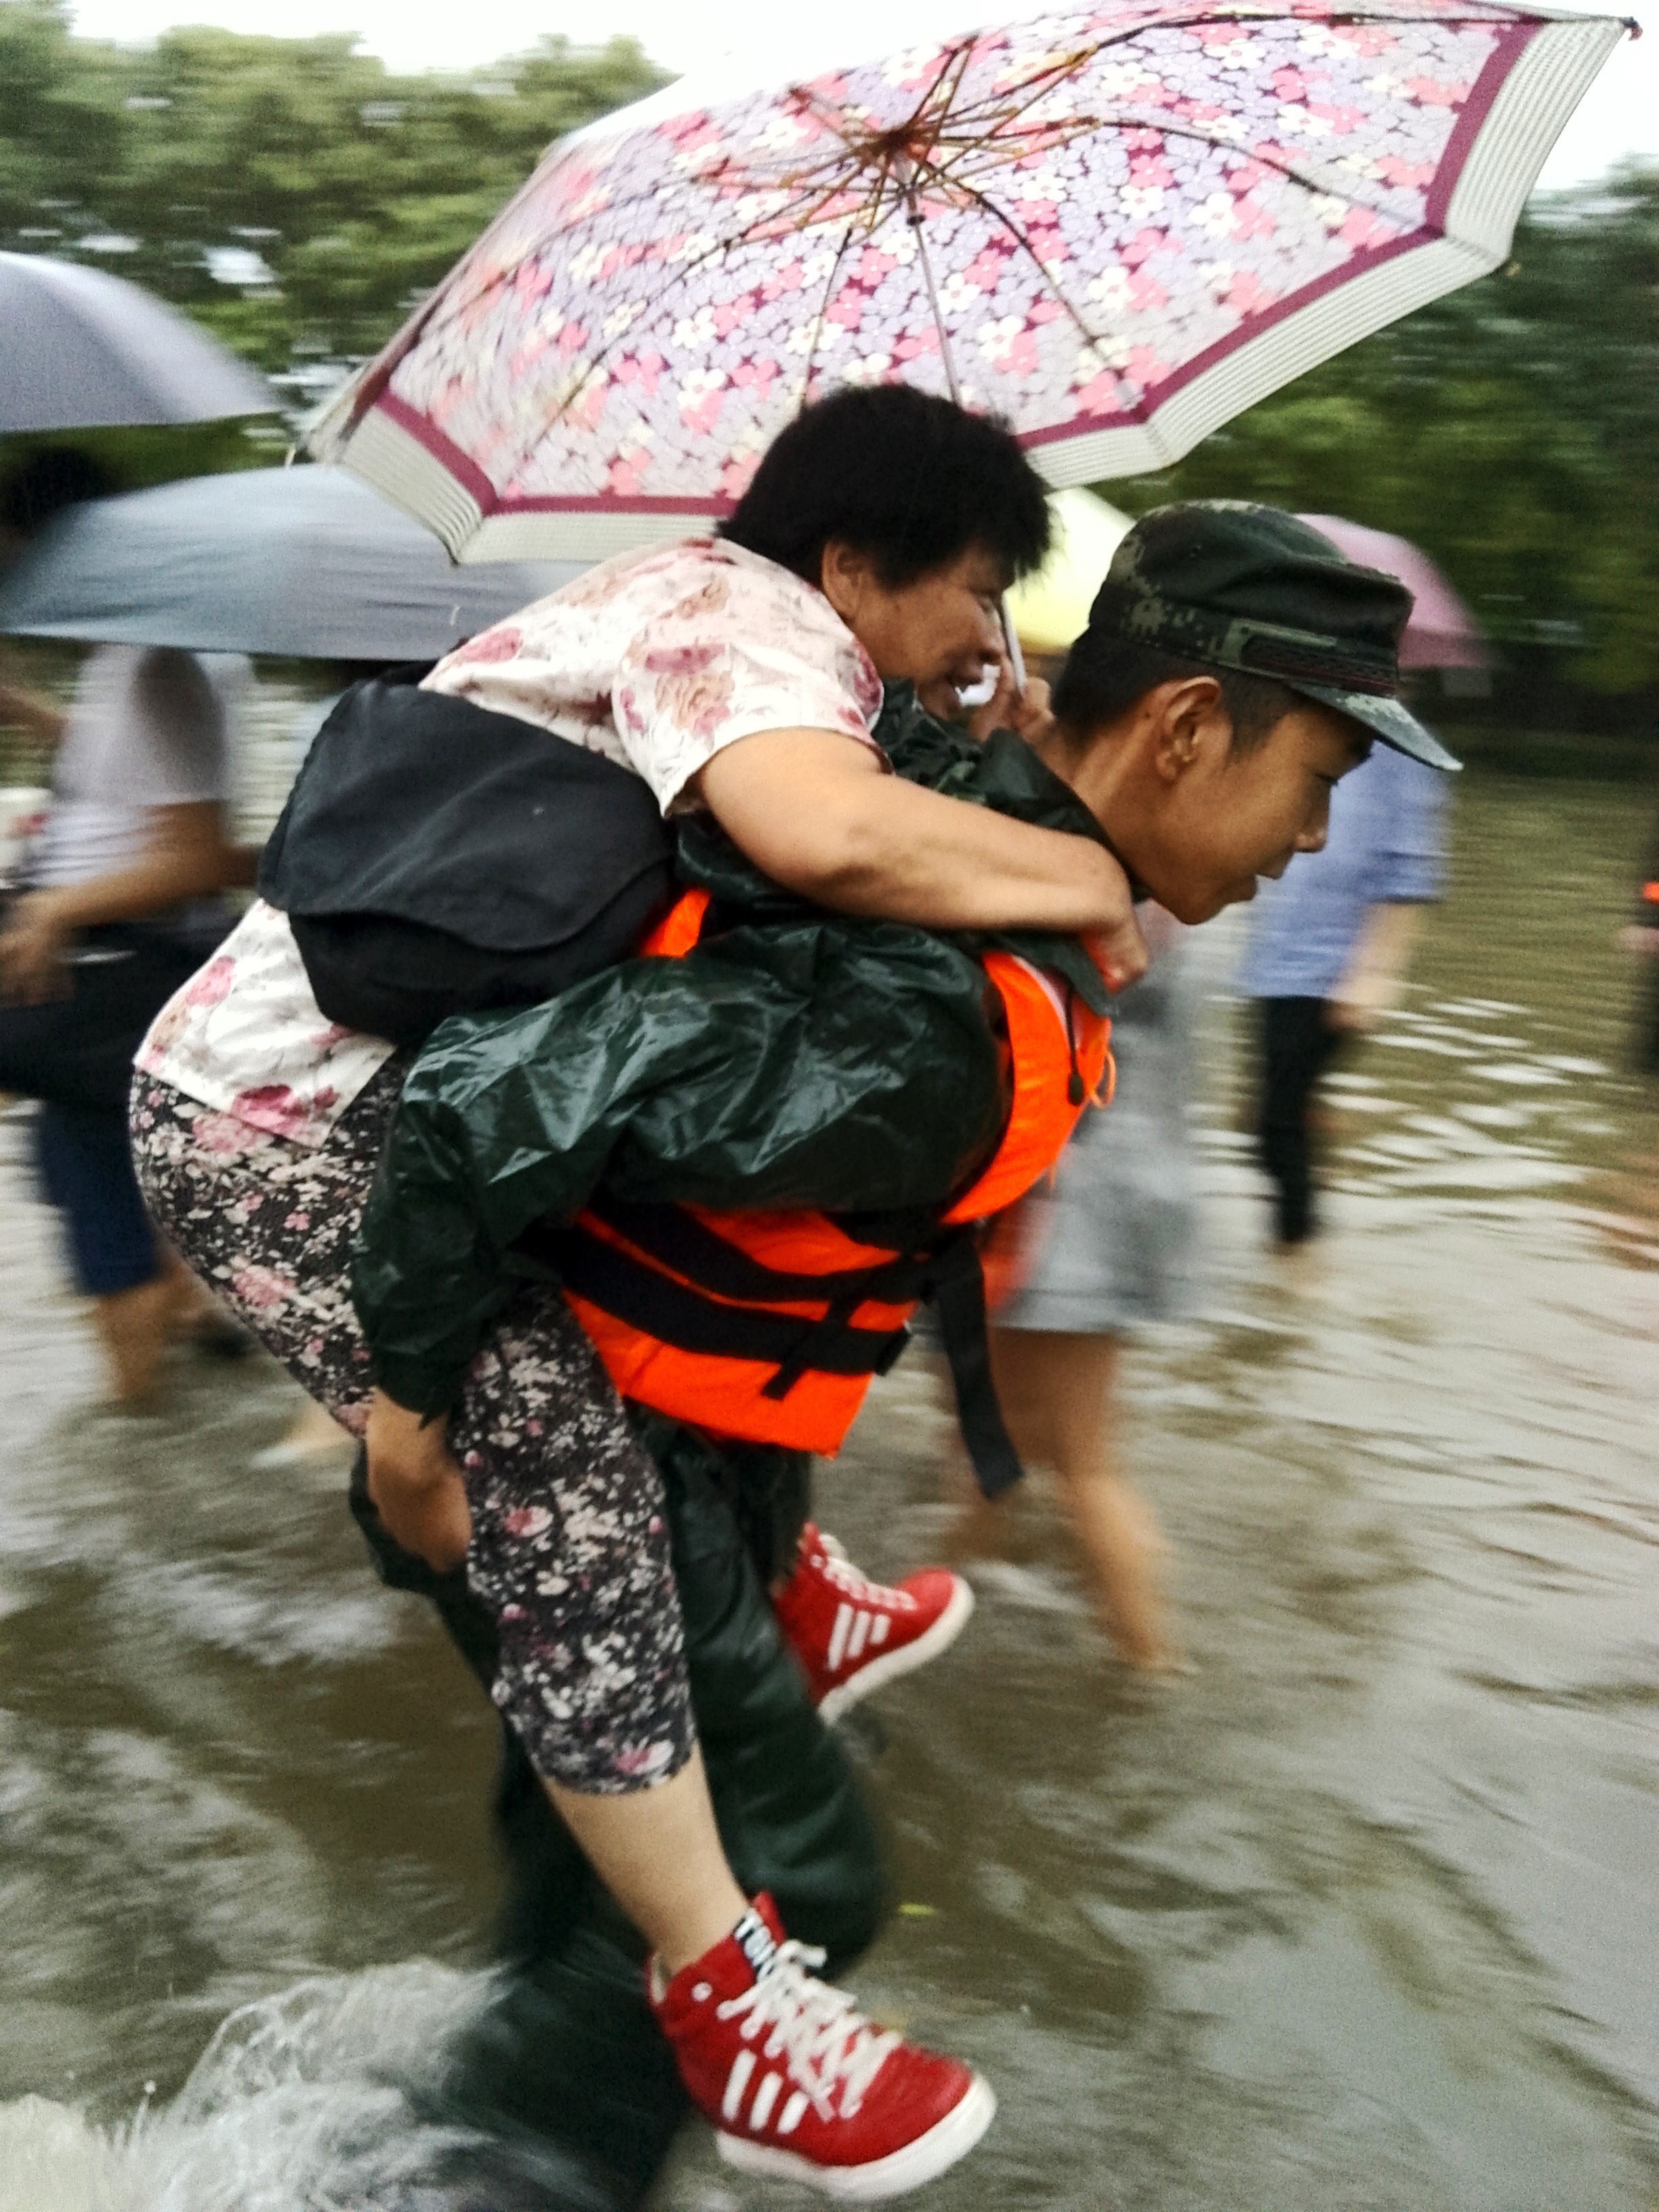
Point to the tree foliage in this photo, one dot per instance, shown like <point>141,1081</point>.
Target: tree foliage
<point>292,193</point>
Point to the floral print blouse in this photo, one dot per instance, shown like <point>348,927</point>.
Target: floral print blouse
<point>657,659</point>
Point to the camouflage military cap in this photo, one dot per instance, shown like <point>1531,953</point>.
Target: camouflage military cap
<point>1254,589</point>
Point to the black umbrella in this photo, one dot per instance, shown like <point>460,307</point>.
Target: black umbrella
<point>80,350</point>
<point>307,562</point>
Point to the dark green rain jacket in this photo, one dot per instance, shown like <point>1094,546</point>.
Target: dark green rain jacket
<point>793,1059</point>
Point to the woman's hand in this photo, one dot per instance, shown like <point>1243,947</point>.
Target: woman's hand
<point>31,947</point>
<point>415,1486</point>
<point>1120,951</point>
<point>1029,713</point>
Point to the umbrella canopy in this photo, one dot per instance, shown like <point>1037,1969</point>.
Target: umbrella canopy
<point>1116,226</point>
<point>1050,609</point>
<point>80,350</point>
<point>303,562</point>
<point>1442,632</point>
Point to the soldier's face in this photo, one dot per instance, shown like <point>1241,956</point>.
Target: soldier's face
<point>1197,818</point>
<point>1234,815</point>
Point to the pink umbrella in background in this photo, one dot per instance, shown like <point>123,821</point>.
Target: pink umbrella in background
<point>1116,226</point>
<point>1442,632</point>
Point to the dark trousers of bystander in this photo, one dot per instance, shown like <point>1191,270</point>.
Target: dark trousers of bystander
<point>86,1172</point>
<point>1297,1044</point>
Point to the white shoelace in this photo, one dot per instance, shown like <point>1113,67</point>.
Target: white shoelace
<point>840,1569</point>
<point>823,2040</point>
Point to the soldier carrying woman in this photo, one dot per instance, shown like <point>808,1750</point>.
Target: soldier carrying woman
<point>729,1168</point>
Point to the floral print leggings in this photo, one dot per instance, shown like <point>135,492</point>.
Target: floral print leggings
<point>569,1549</point>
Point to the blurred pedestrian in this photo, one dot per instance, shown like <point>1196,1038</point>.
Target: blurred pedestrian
<point>1109,1249</point>
<point>1327,956</point>
<point>1642,936</point>
<point>1108,1246</point>
<point>119,900</point>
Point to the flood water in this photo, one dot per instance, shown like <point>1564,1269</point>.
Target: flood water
<point>1359,1912</point>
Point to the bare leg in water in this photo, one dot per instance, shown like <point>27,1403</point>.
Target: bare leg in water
<point>1059,1397</point>
<point>660,1854</point>
<point>657,1850</point>
<point>137,1327</point>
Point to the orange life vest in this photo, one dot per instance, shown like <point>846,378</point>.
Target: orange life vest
<point>768,1327</point>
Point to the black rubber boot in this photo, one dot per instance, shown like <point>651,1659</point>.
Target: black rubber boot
<point>568,2061</point>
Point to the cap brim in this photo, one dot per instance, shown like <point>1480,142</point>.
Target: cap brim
<point>1395,723</point>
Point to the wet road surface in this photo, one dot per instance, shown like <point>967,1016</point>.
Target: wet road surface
<point>1360,1912</point>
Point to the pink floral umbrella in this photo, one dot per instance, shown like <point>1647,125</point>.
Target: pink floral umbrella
<point>1116,226</point>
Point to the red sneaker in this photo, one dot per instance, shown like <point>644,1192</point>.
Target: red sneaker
<point>851,1635</point>
<point>799,2085</point>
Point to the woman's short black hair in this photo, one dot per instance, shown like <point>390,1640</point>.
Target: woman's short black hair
<point>910,479</point>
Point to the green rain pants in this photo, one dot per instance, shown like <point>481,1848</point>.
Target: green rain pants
<point>566,2078</point>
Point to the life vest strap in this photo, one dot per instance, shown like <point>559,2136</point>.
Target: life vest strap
<point>637,1293</point>
<point>691,1248</point>
<point>958,1292</point>
<point>647,1300</point>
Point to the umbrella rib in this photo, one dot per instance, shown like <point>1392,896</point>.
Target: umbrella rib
<point>955,70</point>
<point>802,202</point>
<point>1036,87</point>
<point>989,207</point>
<point>1080,127</point>
<point>953,57</point>
<point>957,55</point>
<point>592,366</point>
<point>823,308</point>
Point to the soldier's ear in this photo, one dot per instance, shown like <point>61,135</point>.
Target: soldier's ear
<point>1188,720</point>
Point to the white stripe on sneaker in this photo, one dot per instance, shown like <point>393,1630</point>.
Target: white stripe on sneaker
<point>879,1631</point>
<point>736,2082</point>
<point>791,2114</point>
<point>765,2097</point>
<point>877,2179</point>
<point>838,1636</point>
<point>860,1636</point>
<point>874,1673</point>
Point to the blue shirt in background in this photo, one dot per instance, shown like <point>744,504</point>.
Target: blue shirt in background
<point>1386,847</point>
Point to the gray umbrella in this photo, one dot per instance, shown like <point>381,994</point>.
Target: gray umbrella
<point>80,350</point>
<point>307,561</point>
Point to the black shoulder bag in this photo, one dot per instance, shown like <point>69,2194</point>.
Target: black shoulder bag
<point>435,858</point>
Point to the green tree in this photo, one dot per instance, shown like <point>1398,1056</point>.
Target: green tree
<point>292,193</point>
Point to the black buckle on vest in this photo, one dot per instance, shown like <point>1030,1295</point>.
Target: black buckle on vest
<point>816,1347</point>
<point>948,1275</point>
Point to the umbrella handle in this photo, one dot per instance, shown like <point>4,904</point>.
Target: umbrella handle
<point>913,215</point>
<point>1011,641</point>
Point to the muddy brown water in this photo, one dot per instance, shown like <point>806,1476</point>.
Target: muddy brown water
<point>1359,1913</point>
